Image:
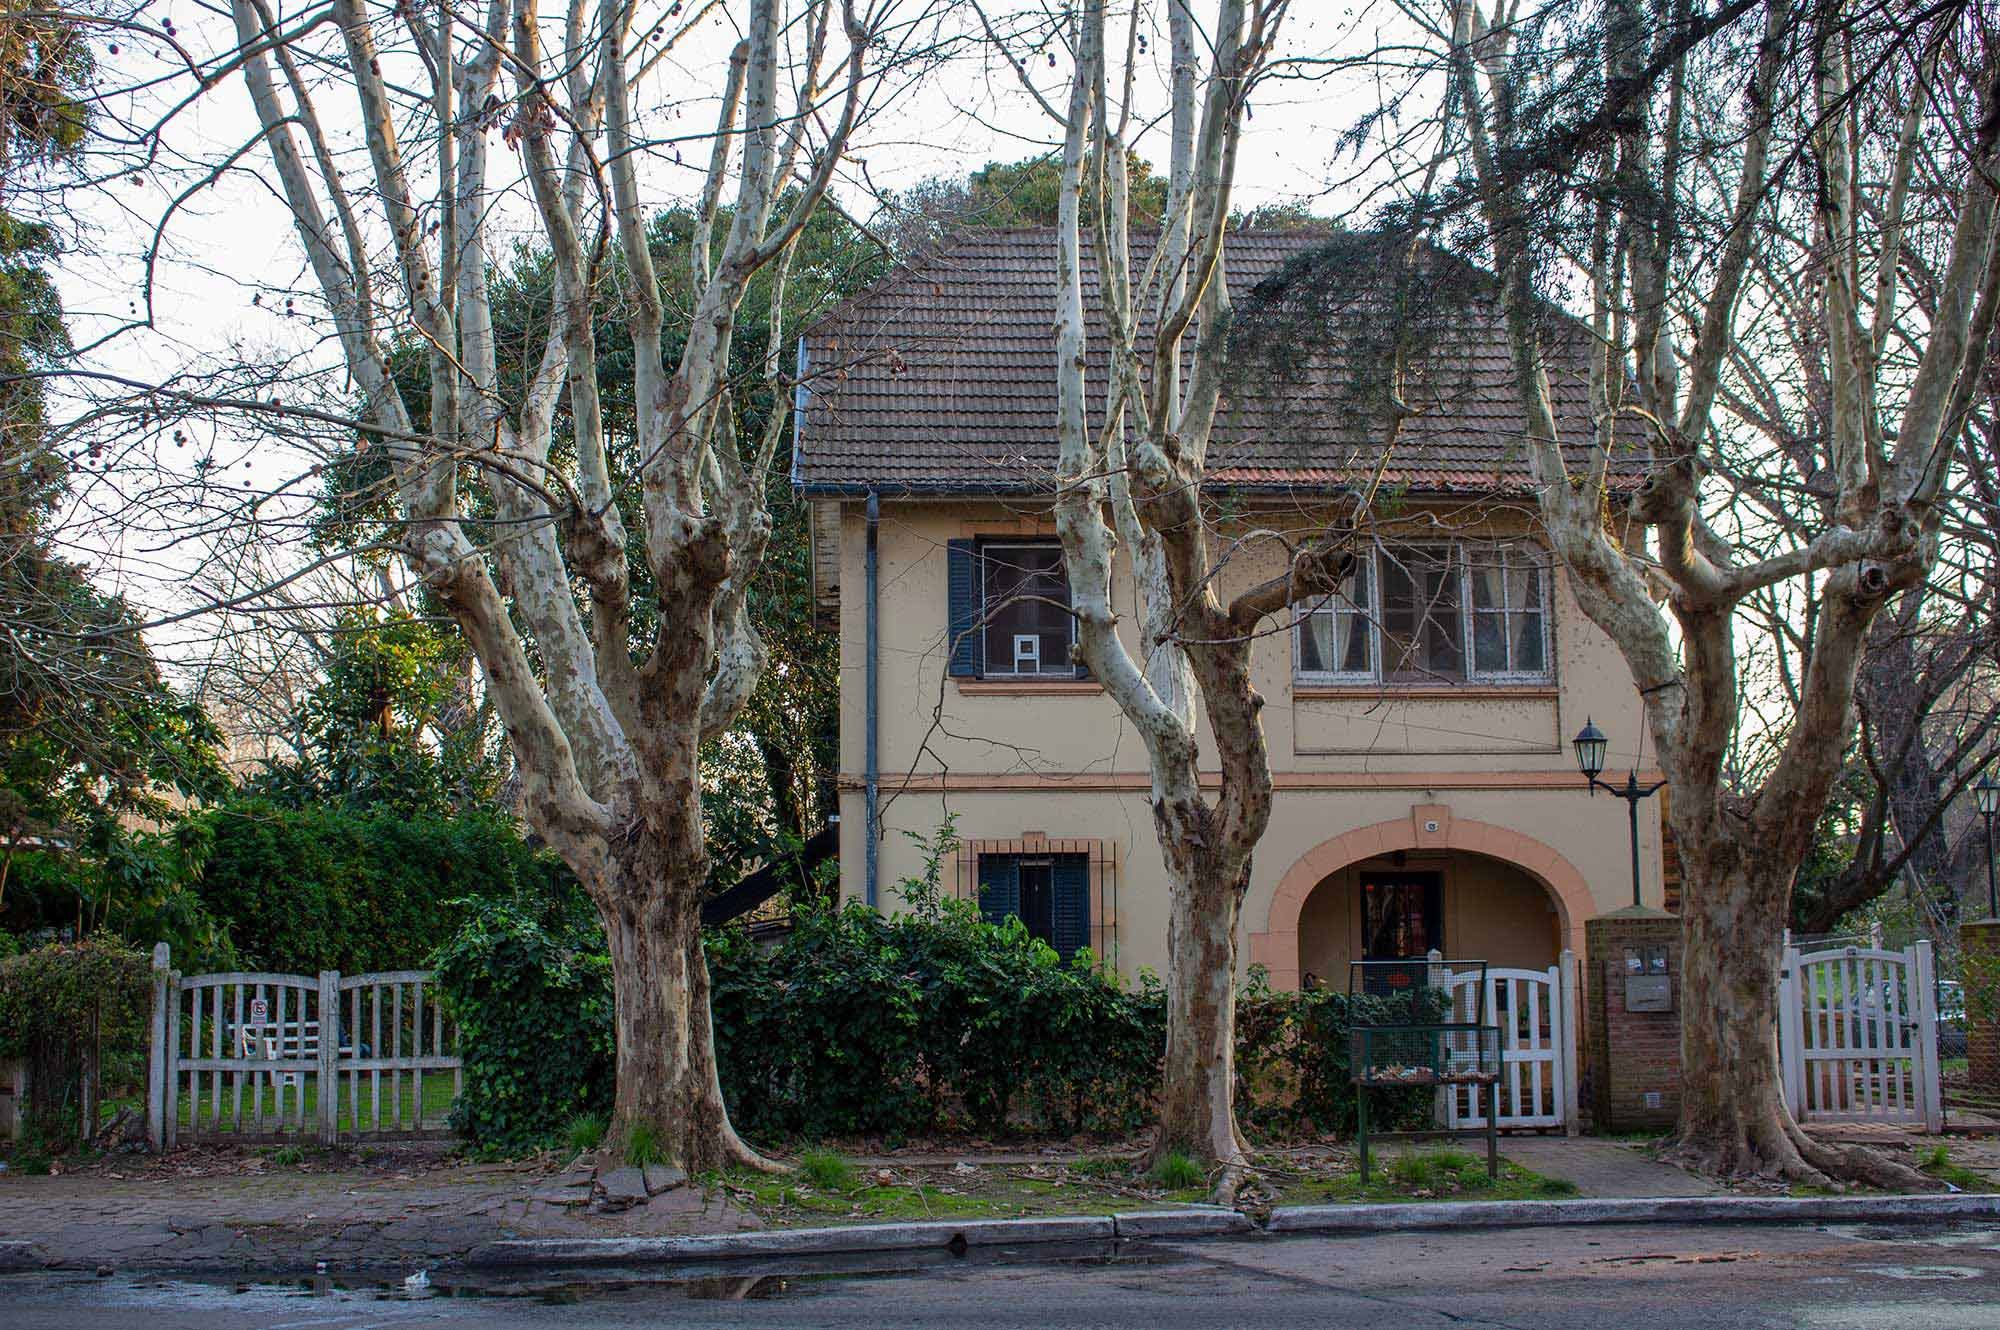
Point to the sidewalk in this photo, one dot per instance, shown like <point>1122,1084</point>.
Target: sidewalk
<point>218,1211</point>
<point>294,1218</point>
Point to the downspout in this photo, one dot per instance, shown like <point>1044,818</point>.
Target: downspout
<point>872,773</point>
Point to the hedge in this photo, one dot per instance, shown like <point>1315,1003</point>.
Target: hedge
<point>860,1025</point>
<point>304,890</point>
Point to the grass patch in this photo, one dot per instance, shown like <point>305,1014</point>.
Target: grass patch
<point>826,1170</point>
<point>1428,1175</point>
<point>916,1194</point>
<point>1937,1162</point>
<point>288,1156</point>
<point>585,1131</point>
<point>642,1146</point>
<point>1177,1172</point>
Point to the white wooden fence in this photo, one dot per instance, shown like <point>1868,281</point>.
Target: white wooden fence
<point>1857,1036</point>
<point>256,1057</point>
<point>1536,1011</point>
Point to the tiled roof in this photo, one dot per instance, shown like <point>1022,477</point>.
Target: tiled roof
<point>940,379</point>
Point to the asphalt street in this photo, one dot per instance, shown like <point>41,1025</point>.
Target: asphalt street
<point>1841,1277</point>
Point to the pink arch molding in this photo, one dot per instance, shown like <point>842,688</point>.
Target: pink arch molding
<point>1429,827</point>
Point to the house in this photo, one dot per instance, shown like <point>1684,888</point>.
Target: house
<point>1419,724</point>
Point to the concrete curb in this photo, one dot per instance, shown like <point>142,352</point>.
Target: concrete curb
<point>1206,1222</point>
<point>1394,1217</point>
<point>928,1235</point>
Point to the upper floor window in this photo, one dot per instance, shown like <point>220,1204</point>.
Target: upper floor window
<point>1445,613</point>
<point>1010,610</point>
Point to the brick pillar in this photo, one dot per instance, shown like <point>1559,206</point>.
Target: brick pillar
<point>1979,961</point>
<point>1632,1063</point>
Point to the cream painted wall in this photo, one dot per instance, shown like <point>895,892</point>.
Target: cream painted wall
<point>1067,765</point>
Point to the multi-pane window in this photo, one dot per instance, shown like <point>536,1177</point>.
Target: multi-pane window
<point>1413,614</point>
<point>1026,624</point>
<point>1336,637</point>
<point>1509,613</point>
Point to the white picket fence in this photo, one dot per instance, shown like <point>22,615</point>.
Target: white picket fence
<point>1857,1036</point>
<point>1536,1011</point>
<point>257,1057</point>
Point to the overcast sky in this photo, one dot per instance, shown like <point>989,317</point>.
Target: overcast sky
<point>228,261</point>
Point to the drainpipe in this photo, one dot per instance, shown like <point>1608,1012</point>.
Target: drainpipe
<point>872,772</point>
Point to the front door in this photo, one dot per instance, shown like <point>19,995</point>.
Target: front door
<point>1402,916</point>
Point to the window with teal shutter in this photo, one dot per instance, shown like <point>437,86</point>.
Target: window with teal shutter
<point>962,585</point>
<point>1072,904</point>
<point>999,886</point>
<point>1048,893</point>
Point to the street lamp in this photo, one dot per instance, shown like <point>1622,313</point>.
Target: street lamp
<point>1986,795</point>
<point>1590,745</point>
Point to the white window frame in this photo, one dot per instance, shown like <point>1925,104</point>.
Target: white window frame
<point>1500,549</point>
<point>986,611</point>
<point>1372,614</point>
<point>1371,624</point>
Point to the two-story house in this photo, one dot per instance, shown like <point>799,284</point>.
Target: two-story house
<point>1418,723</point>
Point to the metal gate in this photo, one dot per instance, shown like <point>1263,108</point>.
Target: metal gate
<point>1857,1036</point>
<point>1536,1013</point>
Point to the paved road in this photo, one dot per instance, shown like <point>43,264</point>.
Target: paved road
<point>1797,1278</point>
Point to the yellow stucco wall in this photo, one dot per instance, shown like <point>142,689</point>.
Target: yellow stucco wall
<point>1066,765</point>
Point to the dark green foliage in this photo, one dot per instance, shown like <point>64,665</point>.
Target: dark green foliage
<point>530,990</point>
<point>310,889</point>
<point>395,723</point>
<point>860,1024</point>
<point>1292,1061</point>
<point>133,884</point>
<point>67,1009</point>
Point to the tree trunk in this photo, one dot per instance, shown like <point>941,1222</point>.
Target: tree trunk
<point>1197,1097</point>
<point>1734,1121</point>
<point>667,1084</point>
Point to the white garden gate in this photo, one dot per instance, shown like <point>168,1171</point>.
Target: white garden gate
<point>255,1057</point>
<point>1857,1036</point>
<point>1536,1011</point>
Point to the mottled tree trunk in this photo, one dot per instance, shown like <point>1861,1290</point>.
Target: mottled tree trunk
<point>1734,1120</point>
<point>666,1078</point>
<point>1197,1096</point>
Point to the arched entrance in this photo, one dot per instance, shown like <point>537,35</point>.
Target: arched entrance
<point>1495,887</point>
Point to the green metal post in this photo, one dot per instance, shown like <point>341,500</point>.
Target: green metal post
<point>1361,1110</point>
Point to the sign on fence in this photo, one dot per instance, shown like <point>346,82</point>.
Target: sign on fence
<point>251,1056</point>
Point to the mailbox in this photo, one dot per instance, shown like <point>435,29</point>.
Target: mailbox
<point>1648,982</point>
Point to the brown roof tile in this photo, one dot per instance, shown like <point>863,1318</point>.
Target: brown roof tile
<point>940,379</point>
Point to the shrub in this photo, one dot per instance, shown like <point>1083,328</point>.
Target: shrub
<point>68,1010</point>
<point>530,990</point>
<point>855,1024</point>
<point>860,1024</point>
<point>1292,1061</point>
<point>333,888</point>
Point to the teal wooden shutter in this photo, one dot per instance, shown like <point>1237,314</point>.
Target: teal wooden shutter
<point>1070,884</point>
<point>999,886</point>
<point>962,612</point>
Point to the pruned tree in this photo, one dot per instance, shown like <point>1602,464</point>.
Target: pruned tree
<point>1133,480</point>
<point>605,731</point>
<point>1676,160</point>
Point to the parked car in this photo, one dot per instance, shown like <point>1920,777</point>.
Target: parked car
<point>1951,1018</point>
